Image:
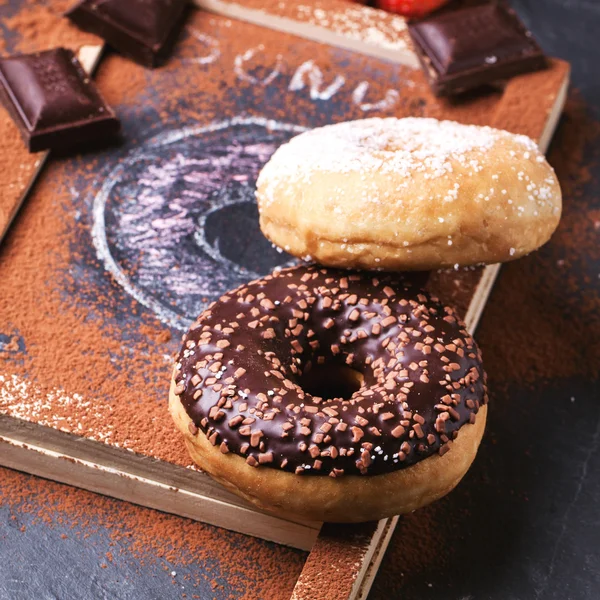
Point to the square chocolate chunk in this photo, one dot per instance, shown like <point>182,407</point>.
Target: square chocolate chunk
<point>469,46</point>
<point>53,101</point>
<point>143,30</point>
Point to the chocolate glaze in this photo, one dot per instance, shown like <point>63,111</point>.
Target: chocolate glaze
<point>239,372</point>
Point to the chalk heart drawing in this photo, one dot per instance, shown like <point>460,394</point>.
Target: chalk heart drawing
<point>176,221</point>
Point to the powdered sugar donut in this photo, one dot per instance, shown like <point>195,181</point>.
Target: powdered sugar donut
<point>408,194</point>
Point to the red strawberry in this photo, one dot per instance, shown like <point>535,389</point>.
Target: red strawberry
<point>411,8</point>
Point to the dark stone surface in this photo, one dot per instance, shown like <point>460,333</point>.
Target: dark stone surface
<point>525,522</point>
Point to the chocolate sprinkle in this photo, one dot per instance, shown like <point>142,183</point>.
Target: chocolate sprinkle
<point>394,419</point>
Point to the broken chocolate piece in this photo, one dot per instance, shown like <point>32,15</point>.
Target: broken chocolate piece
<point>143,30</point>
<point>53,101</point>
<point>469,46</point>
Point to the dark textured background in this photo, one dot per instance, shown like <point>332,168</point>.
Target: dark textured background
<point>524,524</point>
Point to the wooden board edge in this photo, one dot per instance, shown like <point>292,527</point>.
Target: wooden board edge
<point>89,56</point>
<point>364,586</point>
<point>39,166</point>
<point>372,560</point>
<point>491,272</point>
<point>369,557</point>
<point>190,480</point>
<point>123,485</point>
<point>555,114</point>
<point>308,31</point>
<point>480,297</point>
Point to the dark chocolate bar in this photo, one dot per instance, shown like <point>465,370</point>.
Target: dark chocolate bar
<point>143,30</point>
<point>472,45</point>
<point>53,101</point>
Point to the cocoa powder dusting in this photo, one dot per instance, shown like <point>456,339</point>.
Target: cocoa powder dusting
<point>330,570</point>
<point>251,569</point>
<point>121,80</point>
<point>349,21</point>
<point>41,25</point>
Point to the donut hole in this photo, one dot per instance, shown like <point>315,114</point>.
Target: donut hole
<point>331,381</point>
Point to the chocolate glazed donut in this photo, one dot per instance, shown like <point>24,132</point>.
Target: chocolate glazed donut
<point>314,372</point>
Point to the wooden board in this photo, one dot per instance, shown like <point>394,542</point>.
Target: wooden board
<point>319,86</point>
<point>336,22</point>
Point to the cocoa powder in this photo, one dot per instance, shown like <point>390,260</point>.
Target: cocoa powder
<point>41,25</point>
<point>121,80</point>
<point>251,568</point>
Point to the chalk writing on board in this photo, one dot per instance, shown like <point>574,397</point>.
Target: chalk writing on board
<point>387,103</point>
<point>239,67</point>
<point>310,71</point>
<point>11,343</point>
<point>211,44</point>
<point>307,74</point>
<point>176,222</point>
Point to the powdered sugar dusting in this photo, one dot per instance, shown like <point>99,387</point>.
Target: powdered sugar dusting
<point>387,146</point>
<point>443,165</point>
<point>361,23</point>
<point>71,413</point>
